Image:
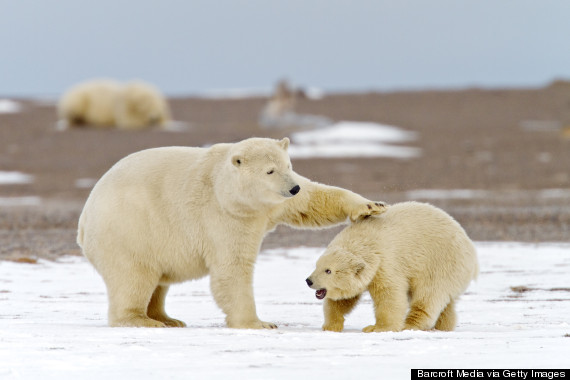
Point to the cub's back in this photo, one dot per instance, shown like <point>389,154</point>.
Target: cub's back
<point>421,237</point>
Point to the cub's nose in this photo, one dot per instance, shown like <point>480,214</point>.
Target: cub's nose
<point>309,282</point>
<point>295,190</point>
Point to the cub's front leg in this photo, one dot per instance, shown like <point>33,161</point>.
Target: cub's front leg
<point>335,311</point>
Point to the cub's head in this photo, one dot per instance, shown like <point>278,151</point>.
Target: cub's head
<point>262,171</point>
<point>341,274</point>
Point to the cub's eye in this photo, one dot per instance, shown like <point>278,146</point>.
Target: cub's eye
<point>271,171</point>
<point>328,271</point>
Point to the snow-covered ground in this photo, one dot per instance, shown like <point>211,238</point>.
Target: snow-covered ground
<point>15,178</point>
<point>53,325</point>
<point>353,139</point>
<point>311,92</point>
<point>9,106</point>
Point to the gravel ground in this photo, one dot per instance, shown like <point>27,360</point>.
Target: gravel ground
<point>508,145</point>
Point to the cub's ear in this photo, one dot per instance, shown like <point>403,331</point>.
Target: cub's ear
<point>284,143</point>
<point>237,160</point>
<point>358,268</point>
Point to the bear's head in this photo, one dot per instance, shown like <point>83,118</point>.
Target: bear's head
<point>262,172</point>
<point>342,274</point>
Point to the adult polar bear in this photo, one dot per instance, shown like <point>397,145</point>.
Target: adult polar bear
<point>105,103</point>
<point>167,215</point>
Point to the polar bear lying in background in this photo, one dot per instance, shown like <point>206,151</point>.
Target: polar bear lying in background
<point>105,103</point>
<point>414,259</point>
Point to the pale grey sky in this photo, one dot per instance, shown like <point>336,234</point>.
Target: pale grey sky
<point>188,47</point>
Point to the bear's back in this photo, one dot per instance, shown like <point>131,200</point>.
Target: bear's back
<point>152,179</point>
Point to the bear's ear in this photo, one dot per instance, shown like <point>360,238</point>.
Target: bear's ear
<point>358,268</point>
<point>284,143</point>
<point>237,160</point>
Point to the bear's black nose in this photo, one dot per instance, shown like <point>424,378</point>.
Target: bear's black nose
<point>295,190</point>
<point>309,282</point>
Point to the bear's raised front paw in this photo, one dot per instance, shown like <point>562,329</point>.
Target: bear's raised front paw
<point>367,209</point>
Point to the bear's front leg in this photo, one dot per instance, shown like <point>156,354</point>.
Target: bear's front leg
<point>232,288</point>
<point>319,205</point>
<point>335,311</point>
<point>390,304</point>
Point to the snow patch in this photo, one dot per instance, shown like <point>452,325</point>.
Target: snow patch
<point>15,178</point>
<point>53,324</point>
<point>353,139</point>
<point>554,193</point>
<point>85,183</point>
<point>236,93</point>
<point>544,194</point>
<point>446,194</point>
<point>9,106</point>
<point>314,93</point>
<point>20,201</point>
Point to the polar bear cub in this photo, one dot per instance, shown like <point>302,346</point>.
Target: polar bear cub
<point>105,103</point>
<point>167,215</point>
<point>415,260</point>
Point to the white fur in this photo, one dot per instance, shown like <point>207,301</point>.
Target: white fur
<point>415,261</point>
<point>168,215</point>
<point>105,103</point>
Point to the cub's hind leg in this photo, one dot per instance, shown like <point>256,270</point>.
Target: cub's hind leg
<point>448,318</point>
<point>425,309</point>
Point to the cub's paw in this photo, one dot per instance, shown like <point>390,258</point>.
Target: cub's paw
<point>336,327</point>
<point>364,210</point>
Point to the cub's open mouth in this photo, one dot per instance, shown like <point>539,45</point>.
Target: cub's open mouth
<point>321,293</point>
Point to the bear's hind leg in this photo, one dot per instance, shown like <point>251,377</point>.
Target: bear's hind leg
<point>129,298</point>
<point>156,310</point>
<point>448,318</point>
<point>425,310</point>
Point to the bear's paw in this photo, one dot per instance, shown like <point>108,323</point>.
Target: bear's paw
<point>363,211</point>
<point>374,328</point>
<point>336,327</point>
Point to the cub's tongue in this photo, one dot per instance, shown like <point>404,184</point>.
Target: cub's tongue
<point>321,293</point>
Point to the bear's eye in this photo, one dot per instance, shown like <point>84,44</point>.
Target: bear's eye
<point>271,171</point>
<point>328,271</point>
